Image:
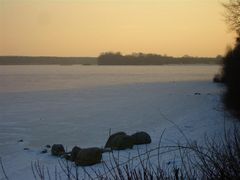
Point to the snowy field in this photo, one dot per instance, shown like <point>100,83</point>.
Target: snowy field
<point>78,105</point>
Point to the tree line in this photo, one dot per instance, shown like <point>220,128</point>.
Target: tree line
<point>111,58</point>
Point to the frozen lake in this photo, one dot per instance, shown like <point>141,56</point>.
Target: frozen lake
<point>77,105</point>
<point>44,78</point>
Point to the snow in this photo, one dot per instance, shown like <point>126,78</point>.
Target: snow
<point>79,105</point>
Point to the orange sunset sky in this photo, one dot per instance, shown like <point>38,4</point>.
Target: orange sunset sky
<point>89,27</point>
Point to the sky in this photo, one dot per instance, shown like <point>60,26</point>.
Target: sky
<point>90,27</point>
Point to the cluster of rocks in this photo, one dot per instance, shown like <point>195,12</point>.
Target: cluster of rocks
<point>91,156</point>
<point>81,157</point>
<point>121,141</point>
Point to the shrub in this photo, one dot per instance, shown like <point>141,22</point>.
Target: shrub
<point>218,78</point>
<point>231,75</point>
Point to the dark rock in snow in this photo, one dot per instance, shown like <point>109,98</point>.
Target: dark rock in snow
<point>74,153</point>
<point>48,146</point>
<point>197,93</point>
<point>88,157</point>
<point>57,150</point>
<point>25,149</point>
<point>105,150</point>
<point>119,141</point>
<point>44,151</point>
<point>141,138</point>
<point>20,140</point>
<point>67,157</point>
<point>111,139</point>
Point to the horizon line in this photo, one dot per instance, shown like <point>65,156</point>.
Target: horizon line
<point>53,56</point>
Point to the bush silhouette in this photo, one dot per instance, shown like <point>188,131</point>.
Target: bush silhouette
<point>231,75</point>
<point>231,62</point>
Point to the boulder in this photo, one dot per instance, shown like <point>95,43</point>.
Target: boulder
<point>74,153</point>
<point>112,138</point>
<point>141,138</point>
<point>105,150</point>
<point>88,157</point>
<point>57,150</point>
<point>119,141</point>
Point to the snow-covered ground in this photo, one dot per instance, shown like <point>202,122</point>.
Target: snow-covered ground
<point>78,105</point>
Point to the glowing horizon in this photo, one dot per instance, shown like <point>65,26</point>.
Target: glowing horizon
<point>90,27</point>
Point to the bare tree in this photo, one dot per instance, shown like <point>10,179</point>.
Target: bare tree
<point>232,15</point>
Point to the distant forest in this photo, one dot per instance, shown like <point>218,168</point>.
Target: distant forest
<point>28,60</point>
<point>153,59</point>
<point>109,59</point>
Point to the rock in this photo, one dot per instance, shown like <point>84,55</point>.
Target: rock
<point>20,140</point>
<point>197,93</point>
<point>88,157</point>
<point>112,137</point>
<point>119,141</point>
<point>44,151</point>
<point>141,138</point>
<point>48,146</point>
<point>105,150</point>
<point>25,149</point>
<point>67,157</point>
<point>57,150</point>
<point>123,142</point>
<point>74,153</point>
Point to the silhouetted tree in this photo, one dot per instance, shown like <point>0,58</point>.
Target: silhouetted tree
<point>231,65</point>
<point>232,15</point>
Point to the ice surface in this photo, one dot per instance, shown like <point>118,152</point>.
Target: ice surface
<point>78,105</point>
